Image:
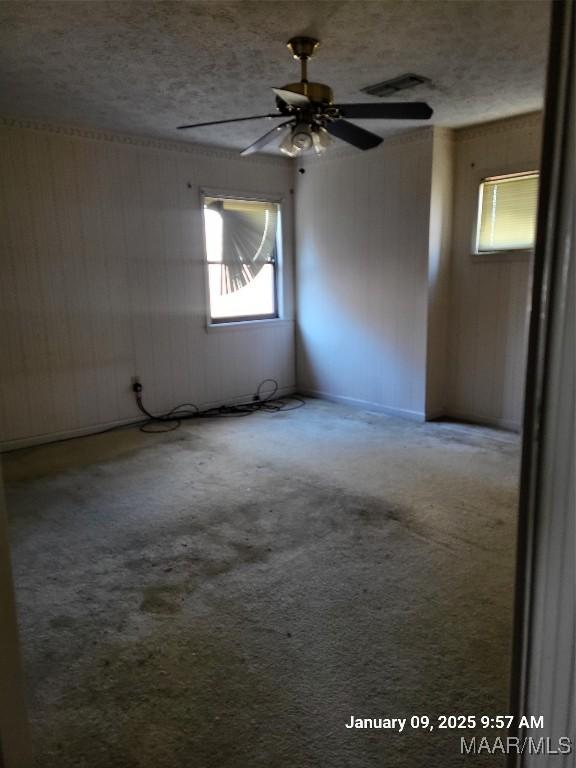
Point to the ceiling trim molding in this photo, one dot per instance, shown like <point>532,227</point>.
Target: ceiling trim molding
<point>96,134</point>
<point>531,120</point>
<point>519,122</point>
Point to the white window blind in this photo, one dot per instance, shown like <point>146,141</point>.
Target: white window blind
<point>507,213</point>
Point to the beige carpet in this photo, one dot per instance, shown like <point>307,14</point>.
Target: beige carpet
<point>228,595</point>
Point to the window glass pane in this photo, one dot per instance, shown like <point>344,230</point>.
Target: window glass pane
<point>241,245</point>
<point>507,215</point>
<point>256,298</point>
<point>213,233</point>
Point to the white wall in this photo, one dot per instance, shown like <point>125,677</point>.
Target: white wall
<point>102,279</point>
<point>362,224</point>
<point>489,296</point>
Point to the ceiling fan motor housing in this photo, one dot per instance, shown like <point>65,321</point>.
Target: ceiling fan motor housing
<point>316,92</point>
<point>303,48</point>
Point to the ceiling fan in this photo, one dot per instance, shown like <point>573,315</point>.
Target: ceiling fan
<point>312,116</point>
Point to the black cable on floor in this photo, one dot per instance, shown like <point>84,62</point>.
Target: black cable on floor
<point>173,419</point>
<point>185,411</point>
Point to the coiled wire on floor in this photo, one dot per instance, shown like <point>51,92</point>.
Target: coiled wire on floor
<point>172,419</point>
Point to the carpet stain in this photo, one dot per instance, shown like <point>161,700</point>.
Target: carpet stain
<point>62,622</point>
<point>162,600</point>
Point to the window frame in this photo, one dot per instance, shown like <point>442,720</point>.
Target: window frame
<point>504,254</point>
<point>244,320</point>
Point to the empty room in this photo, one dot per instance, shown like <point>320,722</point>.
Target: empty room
<point>266,273</point>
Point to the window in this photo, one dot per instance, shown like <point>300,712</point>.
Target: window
<point>241,239</point>
<point>507,213</point>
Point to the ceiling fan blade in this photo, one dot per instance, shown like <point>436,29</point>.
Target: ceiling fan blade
<point>291,98</point>
<point>353,134</point>
<point>266,139</point>
<point>402,110</point>
<point>221,122</point>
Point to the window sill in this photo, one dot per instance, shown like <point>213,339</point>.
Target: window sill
<point>245,325</point>
<point>517,255</point>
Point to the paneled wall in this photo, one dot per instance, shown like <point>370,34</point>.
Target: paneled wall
<point>394,311</point>
<point>103,279</point>
<point>439,247</point>
<point>489,295</point>
<point>362,223</point>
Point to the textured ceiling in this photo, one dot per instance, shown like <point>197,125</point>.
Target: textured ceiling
<point>146,67</point>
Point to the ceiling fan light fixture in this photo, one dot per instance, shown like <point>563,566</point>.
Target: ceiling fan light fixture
<point>287,148</point>
<point>299,140</point>
<point>302,137</point>
<point>321,140</point>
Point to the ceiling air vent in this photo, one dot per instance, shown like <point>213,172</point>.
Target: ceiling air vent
<point>390,87</point>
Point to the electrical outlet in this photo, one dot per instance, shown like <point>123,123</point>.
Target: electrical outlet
<point>135,384</point>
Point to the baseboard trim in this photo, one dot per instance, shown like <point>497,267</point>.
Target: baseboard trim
<point>17,443</point>
<point>485,421</point>
<point>68,434</point>
<point>367,404</point>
